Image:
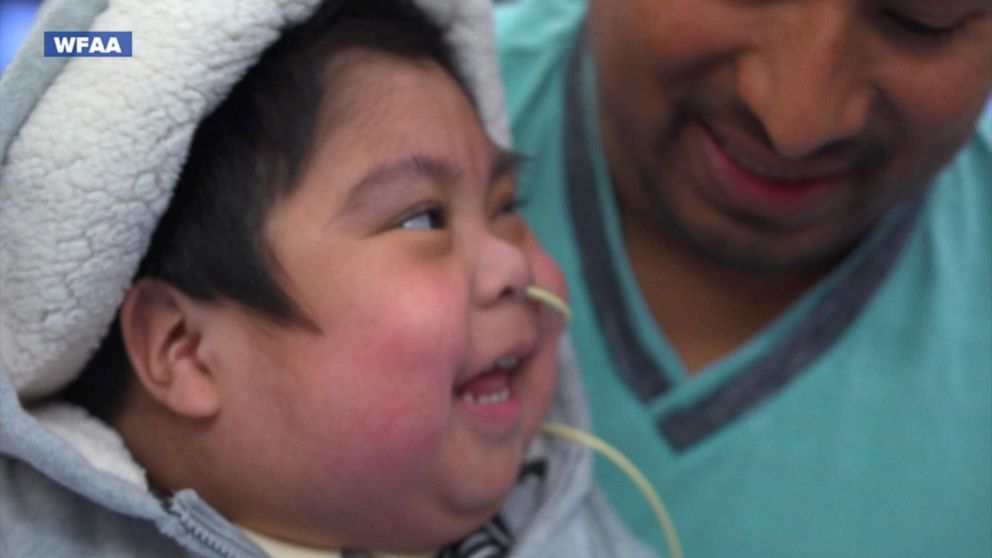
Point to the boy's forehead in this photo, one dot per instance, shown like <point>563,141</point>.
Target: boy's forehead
<point>388,125</point>
<point>365,86</point>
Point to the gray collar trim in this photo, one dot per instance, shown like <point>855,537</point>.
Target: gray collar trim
<point>810,337</point>
<point>633,362</point>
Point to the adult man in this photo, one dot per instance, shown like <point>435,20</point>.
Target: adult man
<point>775,222</point>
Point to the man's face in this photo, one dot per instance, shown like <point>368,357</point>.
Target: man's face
<point>402,422</point>
<point>772,135</point>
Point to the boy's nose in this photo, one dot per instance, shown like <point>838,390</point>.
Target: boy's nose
<point>502,270</point>
<point>806,76</point>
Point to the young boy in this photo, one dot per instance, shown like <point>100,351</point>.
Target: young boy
<point>328,345</point>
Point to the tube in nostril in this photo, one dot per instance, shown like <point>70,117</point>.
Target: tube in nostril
<point>549,298</point>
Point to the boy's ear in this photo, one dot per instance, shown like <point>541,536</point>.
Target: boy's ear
<point>160,327</point>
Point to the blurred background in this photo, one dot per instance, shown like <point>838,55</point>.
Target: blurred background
<point>15,19</point>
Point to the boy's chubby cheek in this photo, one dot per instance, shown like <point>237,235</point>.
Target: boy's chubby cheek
<point>394,410</point>
<point>392,352</point>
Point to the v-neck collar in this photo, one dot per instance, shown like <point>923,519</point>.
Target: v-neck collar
<point>690,409</point>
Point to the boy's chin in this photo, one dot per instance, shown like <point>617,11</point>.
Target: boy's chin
<point>470,509</point>
<point>427,534</point>
<point>481,502</point>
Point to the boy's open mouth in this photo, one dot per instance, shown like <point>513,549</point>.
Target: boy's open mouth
<point>491,386</point>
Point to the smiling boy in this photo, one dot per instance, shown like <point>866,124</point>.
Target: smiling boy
<point>328,344</point>
<point>420,373</point>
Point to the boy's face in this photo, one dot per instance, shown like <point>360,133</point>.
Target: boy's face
<point>395,425</point>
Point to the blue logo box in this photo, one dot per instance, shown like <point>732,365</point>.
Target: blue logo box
<point>88,43</point>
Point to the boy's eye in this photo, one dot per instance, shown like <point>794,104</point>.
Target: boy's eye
<point>511,205</point>
<point>913,26</point>
<point>426,219</point>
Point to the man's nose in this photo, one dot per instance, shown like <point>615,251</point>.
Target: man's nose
<point>502,270</point>
<point>806,76</point>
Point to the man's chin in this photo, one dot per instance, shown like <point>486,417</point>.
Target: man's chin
<point>756,250</point>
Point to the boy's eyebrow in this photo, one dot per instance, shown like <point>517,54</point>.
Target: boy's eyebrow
<point>411,167</point>
<point>505,161</point>
<point>425,166</point>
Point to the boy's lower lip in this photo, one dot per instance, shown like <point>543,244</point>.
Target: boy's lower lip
<point>762,196</point>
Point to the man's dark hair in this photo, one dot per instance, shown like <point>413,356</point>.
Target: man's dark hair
<point>246,155</point>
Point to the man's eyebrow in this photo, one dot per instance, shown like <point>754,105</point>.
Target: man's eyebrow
<point>408,168</point>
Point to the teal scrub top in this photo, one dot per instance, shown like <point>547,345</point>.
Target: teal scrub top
<point>858,423</point>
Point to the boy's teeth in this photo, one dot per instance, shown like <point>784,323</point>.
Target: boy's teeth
<point>491,386</point>
<point>489,398</point>
<point>507,363</point>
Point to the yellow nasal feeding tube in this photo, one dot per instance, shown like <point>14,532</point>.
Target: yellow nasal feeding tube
<point>596,444</point>
<point>545,296</point>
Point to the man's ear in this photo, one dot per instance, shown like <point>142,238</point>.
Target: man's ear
<point>160,329</point>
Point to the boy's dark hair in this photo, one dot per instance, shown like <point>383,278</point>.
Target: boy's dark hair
<point>245,156</point>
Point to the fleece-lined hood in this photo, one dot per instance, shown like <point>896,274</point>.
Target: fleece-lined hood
<point>91,150</point>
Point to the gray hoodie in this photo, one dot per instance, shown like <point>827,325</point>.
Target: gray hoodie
<point>91,151</point>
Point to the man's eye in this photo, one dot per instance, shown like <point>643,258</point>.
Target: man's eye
<point>921,29</point>
<point>427,219</point>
